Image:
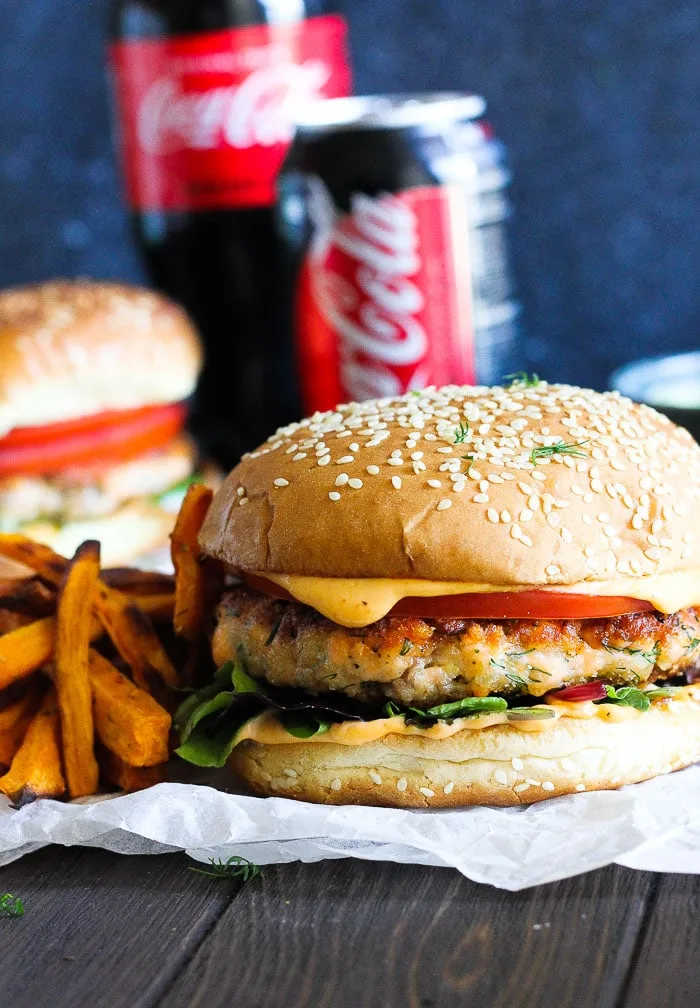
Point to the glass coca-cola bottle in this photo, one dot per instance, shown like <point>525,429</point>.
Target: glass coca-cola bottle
<point>205,92</point>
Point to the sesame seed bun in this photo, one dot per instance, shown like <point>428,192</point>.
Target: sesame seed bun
<point>382,489</point>
<point>500,765</point>
<point>71,349</point>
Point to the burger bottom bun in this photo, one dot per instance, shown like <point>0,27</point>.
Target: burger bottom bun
<point>501,765</point>
<point>128,536</point>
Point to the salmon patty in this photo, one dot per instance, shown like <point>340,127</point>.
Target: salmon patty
<point>426,662</point>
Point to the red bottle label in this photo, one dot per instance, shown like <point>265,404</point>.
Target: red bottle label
<point>385,296</point>
<point>205,119</point>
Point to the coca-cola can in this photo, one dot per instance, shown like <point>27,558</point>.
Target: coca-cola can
<point>393,212</point>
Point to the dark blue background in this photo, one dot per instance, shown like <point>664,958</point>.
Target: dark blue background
<point>597,100</point>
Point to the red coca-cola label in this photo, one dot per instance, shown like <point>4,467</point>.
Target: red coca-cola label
<point>385,296</point>
<point>206,119</point>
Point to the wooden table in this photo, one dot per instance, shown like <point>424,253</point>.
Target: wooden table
<point>108,931</point>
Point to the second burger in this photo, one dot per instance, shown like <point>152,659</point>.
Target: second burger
<point>93,383</point>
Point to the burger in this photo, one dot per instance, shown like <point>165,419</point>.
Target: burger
<point>454,597</point>
<point>94,379</point>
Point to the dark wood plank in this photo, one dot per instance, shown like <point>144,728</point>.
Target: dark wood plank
<point>102,930</point>
<point>353,933</point>
<point>666,969</point>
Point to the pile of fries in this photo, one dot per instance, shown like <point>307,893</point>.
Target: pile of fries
<point>86,681</point>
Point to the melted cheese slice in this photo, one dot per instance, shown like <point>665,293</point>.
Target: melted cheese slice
<point>267,730</point>
<point>356,602</point>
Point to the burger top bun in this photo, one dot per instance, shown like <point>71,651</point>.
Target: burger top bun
<point>532,484</point>
<point>70,349</point>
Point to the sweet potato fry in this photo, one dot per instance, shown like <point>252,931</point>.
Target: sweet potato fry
<point>128,626</point>
<point>185,553</point>
<point>128,720</point>
<point>42,559</point>
<point>132,634</point>
<point>128,778</point>
<point>158,607</point>
<point>138,582</point>
<point>28,596</point>
<point>35,771</point>
<point>14,720</point>
<point>72,642</point>
<point>26,649</point>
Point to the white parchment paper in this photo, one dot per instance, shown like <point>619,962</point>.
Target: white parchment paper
<point>654,826</point>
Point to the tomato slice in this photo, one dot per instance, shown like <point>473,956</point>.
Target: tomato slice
<point>496,605</point>
<point>520,605</point>
<point>108,437</point>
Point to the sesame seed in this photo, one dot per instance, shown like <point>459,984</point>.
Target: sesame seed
<point>341,479</point>
<point>373,470</point>
<point>288,772</point>
<point>336,784</point>
<point>377,778</point>
<point>552,570</point>
<point>505,516</point>
<point>444,504</point>
<point>459,486</point>
<point>492,515</point>
<point>517,763</point>
<point>401,784</point>
<point>580,787</point>
<point>299,456</point>
<point>637,521</point>
<point>568,765</point>
<point>243,500</point>
<point>500,777</point>
<point>435,484</point>
<point>417,455</point>
<point>334,495</point>
<point>481,498</point>
<point>653,553</point>
<point>281,482</point>
<point>596,486</point>
<point>240,491</point>
<point>533,502</point>
<point>519,788</point>
<point>547,785</point>
<point>449,787</point>
<point>526,515</point>
<point>445,450</point>
<point>396,482</point>
<point>354,446</point>
<point>535,783</point>
<point>324,460</point>
<point>566,535</point>
<point>356,484</point>
<point>427,792</point>
<point>345,459</point>
<point>394,461</point>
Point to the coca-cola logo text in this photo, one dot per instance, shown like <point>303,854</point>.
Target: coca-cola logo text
<point>258,110</point>
<point>364,288</point>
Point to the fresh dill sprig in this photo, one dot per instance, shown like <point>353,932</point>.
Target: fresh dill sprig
<point>11,906</point>
<point>470,459</point>
<point>236,867</point>
<point>461,433</point>
<point>523,379</point>
<point>649,656</point>
<point>406,647</point>
<point>560,448</point>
